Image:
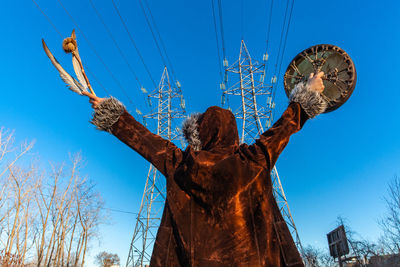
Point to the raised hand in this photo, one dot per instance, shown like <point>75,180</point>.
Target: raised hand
<point>94,100</point>
<point>315,82</point>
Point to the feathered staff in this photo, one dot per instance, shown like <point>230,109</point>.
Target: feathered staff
<point>70,46</point>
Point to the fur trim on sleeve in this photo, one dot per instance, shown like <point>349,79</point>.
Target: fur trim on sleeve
<point>190,130</point>
<point>107,113</point>
<point>311,101</point>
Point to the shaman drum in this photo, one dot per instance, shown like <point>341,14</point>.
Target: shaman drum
<point>340,74</point>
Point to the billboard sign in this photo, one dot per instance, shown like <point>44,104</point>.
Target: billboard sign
<point>337,241</point>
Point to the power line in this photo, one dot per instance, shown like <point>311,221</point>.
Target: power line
<point>159,36</point>
<point>120,211</point>
<point>269,24</point>
<point>103,208</point>
<point>158,33</point>
<point>133,43</point>
<point>152,33</point>
<point>278,55</point>
<point>267,43</point>
<point>47,17</point>
<point>97,80</point>
<point>281,39</point>
<point>222,29</point>
<point>217,40</point>
<point>284,45</point>
<point>118,48</point>
<point>115,42</point>
<point>97,55</point>
<point>242,18</point>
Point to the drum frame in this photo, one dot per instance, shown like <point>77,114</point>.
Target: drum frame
<point>339,80</point>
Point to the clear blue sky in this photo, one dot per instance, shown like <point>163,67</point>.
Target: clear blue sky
<point>339,164</point>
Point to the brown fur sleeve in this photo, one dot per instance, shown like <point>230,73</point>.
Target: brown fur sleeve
<point>111,116</point>
<point>305,104</point>
<point>272,142</point>
<point>162,153</point>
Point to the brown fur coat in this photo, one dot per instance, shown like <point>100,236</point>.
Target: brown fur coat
<point>220,209</point>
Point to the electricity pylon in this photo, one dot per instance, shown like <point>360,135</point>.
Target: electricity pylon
<point>170,106</point>
<point>254,113</point>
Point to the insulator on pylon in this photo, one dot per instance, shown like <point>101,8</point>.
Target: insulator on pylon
<point>138,112</point>
<point>273,79</point>
<point>183,104</point>
<point>273,105</point>
<point>143,90</point>
<point>268,124</point>
<point>262,78</point>
<point>269,100</point>
<point>178,84</point>
<point>265,57</point>
<point>225,63</point>
<point>222,86</point>
<point>149,99</point>
<point>223,99</point>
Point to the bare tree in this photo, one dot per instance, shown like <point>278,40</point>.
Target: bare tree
<point>105,259</point>
<point>361,248</point>
<point>21,192</point>
<point>318,258</point>
<point>326,260</point>
<point>352,238</point>
<point>367,248</point>
<point>390,223</point>
<point>16,187</point>
<point>312,255</point>
<point>47,217</point>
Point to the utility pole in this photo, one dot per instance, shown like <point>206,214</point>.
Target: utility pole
<point>253,106</point>
<point>170,106</point>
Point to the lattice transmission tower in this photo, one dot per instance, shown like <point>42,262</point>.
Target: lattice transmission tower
<point>170,107</point>
<point>253,106</point>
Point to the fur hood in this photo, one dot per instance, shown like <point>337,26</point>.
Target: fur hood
<point>190,131</point>
<point>214,130</point>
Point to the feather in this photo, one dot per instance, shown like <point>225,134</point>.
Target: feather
<point>77,67</point>
<point>78,72</point>
<point>72,84</point>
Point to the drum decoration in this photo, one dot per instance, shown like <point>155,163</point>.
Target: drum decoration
<point>340,74</point>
